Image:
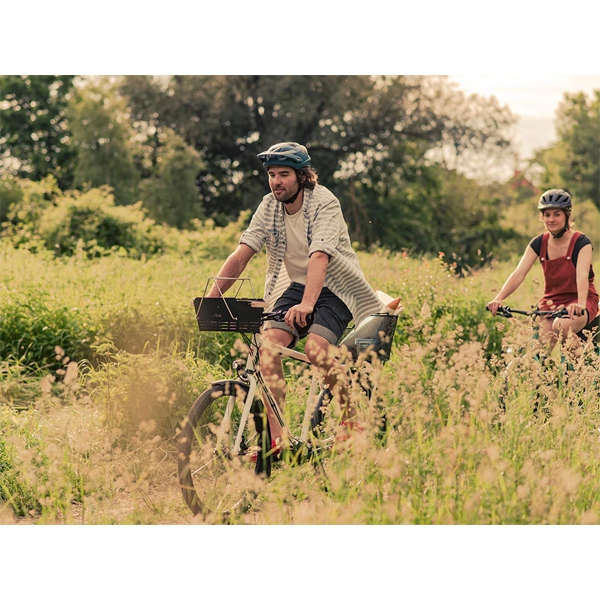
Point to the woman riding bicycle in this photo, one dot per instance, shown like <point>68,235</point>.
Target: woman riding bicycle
<point>566,259</point>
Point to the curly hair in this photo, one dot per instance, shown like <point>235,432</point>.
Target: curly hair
<point>308,177</point>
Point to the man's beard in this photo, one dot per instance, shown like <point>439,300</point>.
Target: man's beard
<point>288,197</point>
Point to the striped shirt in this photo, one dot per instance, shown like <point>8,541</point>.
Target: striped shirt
<point>326,231</point>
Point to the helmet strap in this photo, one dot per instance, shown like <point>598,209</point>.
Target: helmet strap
<point>560,233</point>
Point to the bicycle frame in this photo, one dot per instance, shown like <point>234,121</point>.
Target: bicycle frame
<point>251,376</point>
<point>244,315</point>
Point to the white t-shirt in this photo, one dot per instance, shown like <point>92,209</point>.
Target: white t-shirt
<point>295,258</point>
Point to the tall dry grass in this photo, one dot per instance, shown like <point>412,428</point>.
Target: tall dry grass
<point>87,432</point>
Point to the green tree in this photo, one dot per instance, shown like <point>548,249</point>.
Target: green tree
<point>35,138</point>
<point>470,230</point>
<point>574,161</point>
<point>374,141</point>
<point>476,131</point>
<point>426,209</point>
<point>169,192</point>
<point>104,140</point>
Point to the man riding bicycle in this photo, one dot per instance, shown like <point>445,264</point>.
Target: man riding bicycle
<point>566,259</point>
<point>312,272</point>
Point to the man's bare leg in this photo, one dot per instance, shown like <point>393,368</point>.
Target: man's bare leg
<point>271,367</point>
<point>320,353</point>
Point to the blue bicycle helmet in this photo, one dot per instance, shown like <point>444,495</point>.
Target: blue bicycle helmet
<point>286,154</point>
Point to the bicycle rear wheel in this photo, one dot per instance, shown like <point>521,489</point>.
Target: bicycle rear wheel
<point>212,476</point>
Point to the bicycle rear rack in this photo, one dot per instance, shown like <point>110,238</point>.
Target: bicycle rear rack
<point>374,334</point>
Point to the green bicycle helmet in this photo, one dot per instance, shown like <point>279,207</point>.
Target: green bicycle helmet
<point>286,154</point>
<point>555,199</point>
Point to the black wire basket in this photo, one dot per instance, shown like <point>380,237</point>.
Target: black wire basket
<point>229,314</point>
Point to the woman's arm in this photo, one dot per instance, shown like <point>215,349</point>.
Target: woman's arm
<point>584,260</point>
<point>515,279</point>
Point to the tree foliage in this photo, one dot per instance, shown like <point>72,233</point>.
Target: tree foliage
<point>349,124</point>
<point>103,138</point>
<point>169,192</point>
<point>387,146</point>
<point>34,130</point>
<point>574,161</point>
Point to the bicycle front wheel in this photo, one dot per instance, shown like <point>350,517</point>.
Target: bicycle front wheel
<point>213,476</point>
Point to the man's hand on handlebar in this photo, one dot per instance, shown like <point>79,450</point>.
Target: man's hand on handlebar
<point>298,314</point>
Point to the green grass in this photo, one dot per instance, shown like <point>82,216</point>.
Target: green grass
<point>101,359</point>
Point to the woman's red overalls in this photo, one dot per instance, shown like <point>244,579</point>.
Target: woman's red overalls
<point>560,280</point>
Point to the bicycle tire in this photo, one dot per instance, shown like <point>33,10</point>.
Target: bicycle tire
<point>211,478</point>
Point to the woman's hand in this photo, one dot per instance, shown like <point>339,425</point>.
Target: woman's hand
<point>493,306</point>
<point>576,310</point>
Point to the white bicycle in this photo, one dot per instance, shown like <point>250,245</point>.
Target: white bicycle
<point>224,448</point>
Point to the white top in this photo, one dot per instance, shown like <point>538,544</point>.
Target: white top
<point>295,258</point>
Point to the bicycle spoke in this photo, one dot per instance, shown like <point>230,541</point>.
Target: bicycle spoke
<point>211,474</point>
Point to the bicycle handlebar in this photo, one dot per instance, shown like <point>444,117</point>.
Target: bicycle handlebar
<point>508,312</point>
<point>279,315</point>
<point>276,315</point>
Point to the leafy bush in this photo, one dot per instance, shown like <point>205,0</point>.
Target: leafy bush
<point>26,202</point>
<point>41,218</point>
<point>206,240</point>
<point>10,194</point>
<point>33,327</point>
<point>93,223</point>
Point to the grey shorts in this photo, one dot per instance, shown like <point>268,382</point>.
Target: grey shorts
<point>330,316</point>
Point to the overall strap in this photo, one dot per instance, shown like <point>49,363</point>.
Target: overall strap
<point>544,247</point>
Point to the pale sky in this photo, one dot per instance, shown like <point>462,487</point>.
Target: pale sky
<point>528,95</point>
<point>534,98</point>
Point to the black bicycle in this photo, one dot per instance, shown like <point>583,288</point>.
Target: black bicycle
<point>529,365</point>
<point>590,332</point>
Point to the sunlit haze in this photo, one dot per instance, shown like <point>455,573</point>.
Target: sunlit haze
<point>534,98</point>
